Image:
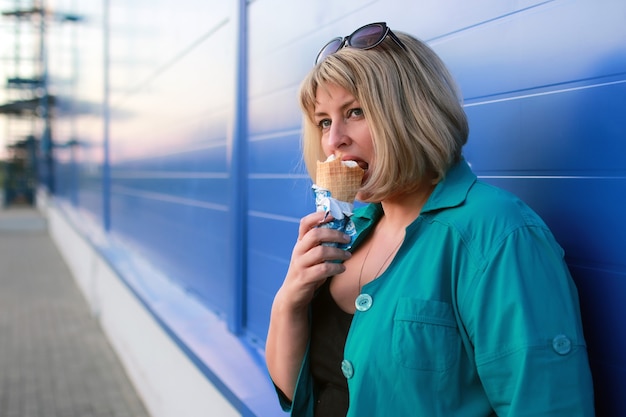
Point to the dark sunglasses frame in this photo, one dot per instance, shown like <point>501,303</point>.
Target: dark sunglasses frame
<point>360,39</point>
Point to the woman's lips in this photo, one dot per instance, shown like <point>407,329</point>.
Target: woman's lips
<point>364,165</point>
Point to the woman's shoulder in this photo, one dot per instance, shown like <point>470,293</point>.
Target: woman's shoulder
<point>491,209</point>
<point>492,200</point>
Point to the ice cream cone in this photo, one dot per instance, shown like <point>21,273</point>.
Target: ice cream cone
<point>341,178</point>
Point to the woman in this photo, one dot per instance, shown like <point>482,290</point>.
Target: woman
<point>454,299</point>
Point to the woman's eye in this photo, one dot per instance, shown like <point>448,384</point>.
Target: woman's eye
<point>355,112</point>
<point>324,124</point>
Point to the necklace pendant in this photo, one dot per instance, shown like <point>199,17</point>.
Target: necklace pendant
<point>363,302</point>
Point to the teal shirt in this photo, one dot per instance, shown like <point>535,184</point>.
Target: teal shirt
<point>476,316</point>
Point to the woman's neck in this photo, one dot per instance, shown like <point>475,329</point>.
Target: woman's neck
<point>401,210</point>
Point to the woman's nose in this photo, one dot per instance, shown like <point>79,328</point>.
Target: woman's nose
<point>338,136</point>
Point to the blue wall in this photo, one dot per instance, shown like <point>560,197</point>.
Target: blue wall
<point>196,115</point>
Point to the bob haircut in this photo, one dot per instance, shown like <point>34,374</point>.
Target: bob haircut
<point>412,107</point>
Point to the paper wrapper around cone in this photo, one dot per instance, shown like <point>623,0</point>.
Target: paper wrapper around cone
<point>336,186</point>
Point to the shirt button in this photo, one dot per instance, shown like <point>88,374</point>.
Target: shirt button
<point>347,369</point>
<point>561,344</point>
<point>363,302</point>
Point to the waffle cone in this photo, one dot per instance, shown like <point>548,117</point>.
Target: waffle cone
<point>341,180</point>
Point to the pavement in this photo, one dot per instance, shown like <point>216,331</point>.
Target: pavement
<point>55,360</point>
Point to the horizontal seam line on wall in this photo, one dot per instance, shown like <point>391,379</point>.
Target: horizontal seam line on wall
<point>169,199</point>
<point>544,93</point>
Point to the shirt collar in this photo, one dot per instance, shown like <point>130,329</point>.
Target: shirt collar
<point>453,189</point>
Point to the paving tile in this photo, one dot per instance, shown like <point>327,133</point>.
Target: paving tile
<point>55,361</point>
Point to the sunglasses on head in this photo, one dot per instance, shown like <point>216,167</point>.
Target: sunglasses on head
<point>365,37</point>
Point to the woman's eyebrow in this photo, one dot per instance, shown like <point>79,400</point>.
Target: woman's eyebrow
<point>344,106</point>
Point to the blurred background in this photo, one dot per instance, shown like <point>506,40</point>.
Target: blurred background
<point>161,140</point>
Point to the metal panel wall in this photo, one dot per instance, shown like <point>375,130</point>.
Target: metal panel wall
<point>172,89</point>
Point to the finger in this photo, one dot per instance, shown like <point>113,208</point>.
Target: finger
<point>309,222</point>
<point>320,255</point>
<point>312,221</point>
<point>317,236</point>
<point>327,269</point>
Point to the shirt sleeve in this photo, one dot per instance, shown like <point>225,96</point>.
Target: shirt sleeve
<point>302,404</point>
<point>285,402</point>
<point>523,320</point>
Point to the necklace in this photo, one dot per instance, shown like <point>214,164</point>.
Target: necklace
<point>395,249</point>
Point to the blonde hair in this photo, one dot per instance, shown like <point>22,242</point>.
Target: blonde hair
<point>412,106</point>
